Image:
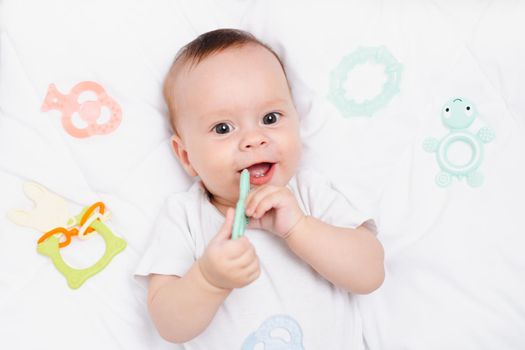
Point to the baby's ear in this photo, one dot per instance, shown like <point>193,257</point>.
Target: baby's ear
<point>182,155</point>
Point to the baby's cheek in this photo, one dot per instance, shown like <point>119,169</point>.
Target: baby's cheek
<point>222,186</point>
<point>294,152</point>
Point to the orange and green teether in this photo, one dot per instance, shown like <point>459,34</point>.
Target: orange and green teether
<point>51,216</point>
<point>50,247</point>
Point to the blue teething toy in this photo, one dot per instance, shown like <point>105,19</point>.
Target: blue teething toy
<point>457,115</point>
<point>380,55</point>
<point>264,335</point>
<point>241,221</point>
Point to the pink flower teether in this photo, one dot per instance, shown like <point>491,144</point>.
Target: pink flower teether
<point>89,111</point>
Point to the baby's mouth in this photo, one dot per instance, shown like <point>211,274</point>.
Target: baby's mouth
<point>261,173</point>
<point>259,169</point>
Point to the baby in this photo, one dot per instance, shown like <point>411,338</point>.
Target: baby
<point>285,283</point>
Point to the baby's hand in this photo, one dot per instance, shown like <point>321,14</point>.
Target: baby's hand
<point>274,209</point>
<point>229,263</point>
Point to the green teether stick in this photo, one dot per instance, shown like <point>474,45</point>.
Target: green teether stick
<point>241,221</point>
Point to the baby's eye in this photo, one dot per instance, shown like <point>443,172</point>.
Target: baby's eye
<point>222,128</point>
<point>271,118</point>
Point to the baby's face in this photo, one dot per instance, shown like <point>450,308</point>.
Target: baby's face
<point>234,111</point>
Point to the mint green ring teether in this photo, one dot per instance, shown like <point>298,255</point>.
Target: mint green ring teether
<point>76,277</point>
<point>241,221</point>
<point>349,107</point>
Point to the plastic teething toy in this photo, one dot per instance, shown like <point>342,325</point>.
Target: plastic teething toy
<point>50,210</point>
<point>380,55</point>
<point>50,247</point>
<point>264,335</point>
<point>457,115</point>
<point>89,111</point>
<point>241,221</point>
<point>85,223</point>
<point>50,214</point>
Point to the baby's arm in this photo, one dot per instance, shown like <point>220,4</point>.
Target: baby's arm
<point>182,307</point>
<point>349,258</point>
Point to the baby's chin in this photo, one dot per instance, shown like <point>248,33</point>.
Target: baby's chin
<point>222,198</point>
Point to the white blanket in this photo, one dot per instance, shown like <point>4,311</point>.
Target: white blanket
<point>454,255</point>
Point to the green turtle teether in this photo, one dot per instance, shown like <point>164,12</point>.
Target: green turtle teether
<point>457,115</point>
<point>241,221</point>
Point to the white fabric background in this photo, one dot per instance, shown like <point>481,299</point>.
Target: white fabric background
<point>454,256</point>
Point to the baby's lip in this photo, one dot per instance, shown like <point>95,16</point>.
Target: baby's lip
<point>252,164</point>
<point>261,173</point>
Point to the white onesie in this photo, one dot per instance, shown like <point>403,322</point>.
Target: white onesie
<point>290,306</point>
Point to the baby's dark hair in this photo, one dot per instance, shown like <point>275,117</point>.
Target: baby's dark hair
<point>203,46</point>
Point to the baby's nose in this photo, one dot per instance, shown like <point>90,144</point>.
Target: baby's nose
<point>254,140</point>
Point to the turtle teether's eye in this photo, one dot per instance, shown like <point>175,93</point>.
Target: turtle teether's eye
<point>468,111</point>
<point>446,112</point>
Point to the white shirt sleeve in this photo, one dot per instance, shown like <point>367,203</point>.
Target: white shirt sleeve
<point>172,248</point>
<point>319,198</point>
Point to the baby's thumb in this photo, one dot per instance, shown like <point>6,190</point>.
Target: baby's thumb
<point>255,223</point>
<point>225,231</point>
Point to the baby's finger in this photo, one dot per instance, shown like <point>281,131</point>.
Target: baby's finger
<point>253,271</point>
<point>233,249</point>
<point>273,200</point>
<point>254,223</point>
<point>246,258</point>
<point>251,194</point>
<point>226,228</point>
<point>253,201</point>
